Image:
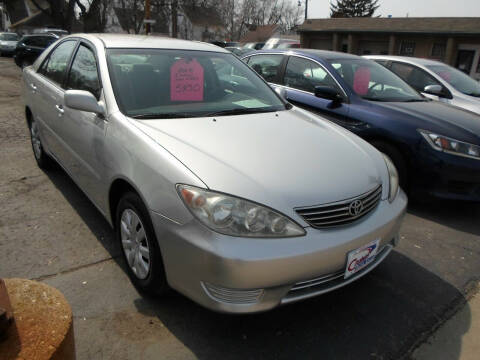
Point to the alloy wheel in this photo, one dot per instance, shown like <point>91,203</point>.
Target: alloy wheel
<point>135,243</point>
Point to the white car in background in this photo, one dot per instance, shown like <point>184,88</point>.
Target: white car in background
<point>435,80</point>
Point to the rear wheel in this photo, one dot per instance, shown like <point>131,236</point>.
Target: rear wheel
<point>397,159</point>
<point>43,160</point>
<point>135,234</point>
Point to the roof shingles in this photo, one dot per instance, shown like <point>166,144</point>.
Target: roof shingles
<point>447,25</point>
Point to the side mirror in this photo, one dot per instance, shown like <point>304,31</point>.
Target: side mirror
<point>433,90</point>
<point>84,101</point>
<point>329,93</point>
<point>281,92</point>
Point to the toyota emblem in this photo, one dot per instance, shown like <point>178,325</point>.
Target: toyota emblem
<point>355,208</point>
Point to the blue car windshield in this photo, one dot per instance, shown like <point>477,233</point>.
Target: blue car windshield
<point>161,83</point>
<point>374,82</point>
<point>459,80</point>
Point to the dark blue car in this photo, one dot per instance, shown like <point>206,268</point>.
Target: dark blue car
<point>435,147</point>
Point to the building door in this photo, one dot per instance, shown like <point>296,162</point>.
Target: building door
<point>465,60</point>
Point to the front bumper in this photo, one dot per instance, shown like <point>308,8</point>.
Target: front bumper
<point>7,50</point>
<point>244,275</point>
<point>446,176</point>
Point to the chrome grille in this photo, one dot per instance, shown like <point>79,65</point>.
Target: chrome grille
<point>342,212</point>
<point>317,281</point>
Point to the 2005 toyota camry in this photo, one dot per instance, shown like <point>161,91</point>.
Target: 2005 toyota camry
<point>215,186</point>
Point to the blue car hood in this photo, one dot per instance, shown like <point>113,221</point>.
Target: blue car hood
<point>438,117</point>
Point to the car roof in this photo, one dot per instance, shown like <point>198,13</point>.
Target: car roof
<point>407,59</point>
<point>123,41</point>
<point>41,35</point>
<point>314,53</point>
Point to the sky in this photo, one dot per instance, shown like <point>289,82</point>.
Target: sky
<point>414,8</point>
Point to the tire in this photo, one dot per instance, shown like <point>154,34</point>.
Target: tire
<point>131,221</point>
<point>397,159</point>
<point>43,160</point>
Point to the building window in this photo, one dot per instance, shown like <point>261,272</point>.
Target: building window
<point>438,50</point>
<point>344,48</point>
<point>407,48</point>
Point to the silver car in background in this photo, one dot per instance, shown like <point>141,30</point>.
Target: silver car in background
<point>8,43</point>
<point>435,80</point>
<point>215,186</point>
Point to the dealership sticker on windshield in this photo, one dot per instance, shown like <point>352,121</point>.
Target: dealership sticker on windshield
<point>186,81</point>
<point>360,258</point>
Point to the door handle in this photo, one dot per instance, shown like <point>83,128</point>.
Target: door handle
<point>60,109</point>
<point>33,87</point>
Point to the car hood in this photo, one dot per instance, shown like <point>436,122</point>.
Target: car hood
<point>284,160</point>
<point>435,116</point>
<point>8,43</point>
<point>467,102</point>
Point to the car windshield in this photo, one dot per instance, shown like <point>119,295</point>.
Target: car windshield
<point>156,83</point>
<point>459,80</point>
<point>9,37</point>
<point>374,82</point>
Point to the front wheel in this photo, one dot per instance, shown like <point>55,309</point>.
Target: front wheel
<point>25,63</point>
<point>135,234</point>
<point>397,159</point>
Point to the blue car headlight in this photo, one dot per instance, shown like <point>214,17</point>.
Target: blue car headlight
<point>451,146</point>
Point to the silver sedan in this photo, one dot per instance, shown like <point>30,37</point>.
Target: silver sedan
<point>435,80</point>
<point>215,186</point>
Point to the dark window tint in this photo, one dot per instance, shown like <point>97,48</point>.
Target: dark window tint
<point>84,74</point>
<point>39,41</point>
<point>26,41</point>
<point>407,48</point>
<point>268,66</point>
<point>415,77</point>
<point>55,66</point>
<point>304,75</point>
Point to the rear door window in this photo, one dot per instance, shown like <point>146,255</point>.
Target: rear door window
<point>55,66</point>
<point>267,66</point>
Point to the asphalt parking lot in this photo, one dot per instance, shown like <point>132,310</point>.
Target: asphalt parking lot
<point>50,232</point>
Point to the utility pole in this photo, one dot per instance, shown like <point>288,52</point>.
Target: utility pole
<point>174,18</point>
<point>147,17</point>
<point>306,9</point>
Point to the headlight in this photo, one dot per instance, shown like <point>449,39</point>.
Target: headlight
<point>394,181</point>
<point>451,146</point>
<point>237,217</point>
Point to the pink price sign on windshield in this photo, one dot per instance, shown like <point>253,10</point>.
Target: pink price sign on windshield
<point>186,81</point>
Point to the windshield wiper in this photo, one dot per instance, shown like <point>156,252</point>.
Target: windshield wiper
<point>163,115</point>
<point>239,111</point>
<point>415,100</point>
<point>375,99</point>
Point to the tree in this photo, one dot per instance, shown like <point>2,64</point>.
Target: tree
<point>353,8</point>
<point>93,13</point>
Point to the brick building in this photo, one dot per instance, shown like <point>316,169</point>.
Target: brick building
<point>455,41</point>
